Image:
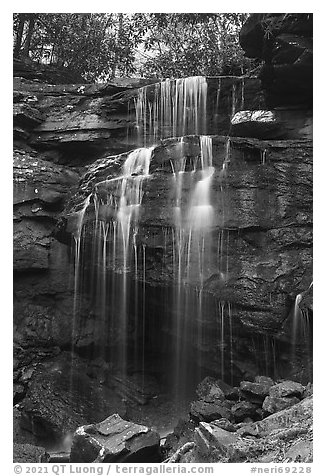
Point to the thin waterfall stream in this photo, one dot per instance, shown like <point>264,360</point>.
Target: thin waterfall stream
<point>199,242</point>
<point>178,109</point>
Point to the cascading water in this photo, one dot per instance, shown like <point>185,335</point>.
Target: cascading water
<point>117,207</point>
<point>300,322</point>
<point>192,252</point>
<point>120,259</point>
<point>135,170</point>
<point>301,332</point>
<point>178,109</point>
<point>77,242</point>
<point>118,264</point>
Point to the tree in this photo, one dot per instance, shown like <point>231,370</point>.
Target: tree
<point>101,46</point>
<point>194,44</point>
<point>94,45</point>
<point>25,23</point>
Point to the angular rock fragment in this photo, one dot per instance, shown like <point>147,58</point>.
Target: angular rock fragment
<point>242,410</point>
<point>231,393</point>
<point>254,390</point>
<point>287,388</point>
<point>209,390</point>
<point>225,424</point>
<point>276,404</point>
<point>210,437</point>
<point>203,411</point>
<point>115,440</point>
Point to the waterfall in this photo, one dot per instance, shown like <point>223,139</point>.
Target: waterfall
<point>195,241</point>
<point>300,321</point>
<point>135,170</point>
<point>77,241</point>
<point>177,109</point>
<point>192,252</point>
<point>194,220</point>
<point>77,236</point>
<point>117,207</point>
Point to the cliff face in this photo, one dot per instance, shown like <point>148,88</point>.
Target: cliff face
<point>69,137</point>
<point>261,205</point>
<point>76,124</point>
<point>260,250</point>
<point>58,130</point>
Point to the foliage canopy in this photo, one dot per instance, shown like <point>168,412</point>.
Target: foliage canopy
<point>106,45</point>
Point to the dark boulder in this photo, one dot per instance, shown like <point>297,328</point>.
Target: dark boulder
<point>115,440</point>
<point>210,391</point>
<point>231,393</point>
<point>287,388</point>
<point>203,411</point>
<point>243,410</point>
<point>254,390</point>
<point>276,404</point>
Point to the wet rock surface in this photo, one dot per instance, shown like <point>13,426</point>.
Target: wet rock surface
<point>115,440</point>
<point>203,411</point>
<point>285,435</point>
<point>287,389</point>
<point>263,206</point>
<point>85,121</point>
<point>275,404</point>
<point>255,400</point>
<point>61,396</point>
<point>242,410</point>
<point>42,266</point>
<point>210,391</point>
<point>255,390</point>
